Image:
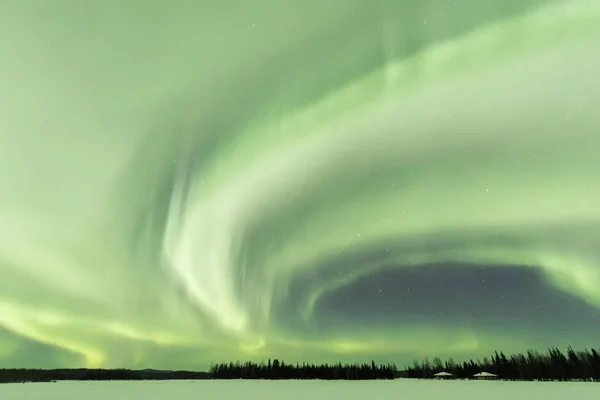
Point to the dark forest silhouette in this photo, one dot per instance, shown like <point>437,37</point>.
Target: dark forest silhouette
<point>280,370</point>
<point>275,370</point>
<point>553,365</point>
<point>83,374</point>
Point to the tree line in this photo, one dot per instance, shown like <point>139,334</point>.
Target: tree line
<point>280,370</point>
<point>84,374</point>
<point>553,365</point>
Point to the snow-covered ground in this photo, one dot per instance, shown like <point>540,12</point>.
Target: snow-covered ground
<point>400,389</point>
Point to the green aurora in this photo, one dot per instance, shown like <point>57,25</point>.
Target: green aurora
<point>183,182</point>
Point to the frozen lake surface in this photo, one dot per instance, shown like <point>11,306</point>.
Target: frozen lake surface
<point>296,390</point>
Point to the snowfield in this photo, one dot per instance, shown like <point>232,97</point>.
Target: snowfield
<point>299,390</point>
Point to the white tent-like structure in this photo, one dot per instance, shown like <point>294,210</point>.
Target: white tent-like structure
<point>443,375</point>
<point>485,376</point>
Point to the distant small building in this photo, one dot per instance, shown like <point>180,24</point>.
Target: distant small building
<point>443,375</point>
<point>485,376</point>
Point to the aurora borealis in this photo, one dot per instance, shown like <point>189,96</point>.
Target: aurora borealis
<point>184,182</point>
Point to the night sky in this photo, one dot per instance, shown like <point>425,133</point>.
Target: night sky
<point>186,182</point>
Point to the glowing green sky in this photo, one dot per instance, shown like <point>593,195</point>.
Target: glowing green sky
<point>184,182</point>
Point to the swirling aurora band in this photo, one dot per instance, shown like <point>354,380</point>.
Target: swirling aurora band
<point>187,182</point>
